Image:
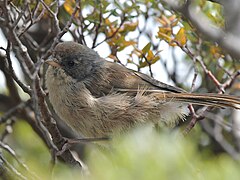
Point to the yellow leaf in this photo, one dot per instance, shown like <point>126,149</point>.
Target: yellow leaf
<point>69,6</point>
<point>162,22</point>
<point>216,51</point>
<point>130,26</point>
<point>146,48</point>
<point>181,37</point>
<point>150,55</point>
<point>164,18</point>
<point>150,59</point>
<point>165,30</point>
<point>125,44</point>
<point>172,43</point>
<point>155,59</point>
<point>128,43</point>
<point>164,36</point>
<point>172,18</point>
<point>129,61</point>
<point>107,22</point>
<point>142,64</point>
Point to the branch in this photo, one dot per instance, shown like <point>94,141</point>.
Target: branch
<point>12,73</point>
<point>13,111</point>
<point>221,87</point>
<point>64,30</point>
<point>227,40</point>
<point>221,141</point>
<point>37,94</point>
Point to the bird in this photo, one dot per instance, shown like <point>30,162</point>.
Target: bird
<point>99,98</point>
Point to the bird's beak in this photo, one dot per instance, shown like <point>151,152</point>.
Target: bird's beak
<point>53,62</point>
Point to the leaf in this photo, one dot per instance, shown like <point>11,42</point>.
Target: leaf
<point>129,61</point>
<point>125,44</point>
<point>150,55</point>
<point>69,6</point>
<point>146,48</point>
<point>128,43</point>
<point>172,18</point>
<point>164,36</point>
<point>181,37</point>
<point>130,26</point>
<point>216,51</point>
<point>165,30</point>
<point>107,22</point>
<point>164,18</point>
<point>161,21</point>
<point>150,59</point>
<point>155,59</point>
<point>142,64</point>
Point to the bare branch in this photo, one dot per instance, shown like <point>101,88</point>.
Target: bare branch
<point>24,87</point>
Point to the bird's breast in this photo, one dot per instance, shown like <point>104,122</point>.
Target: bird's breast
<point>71,100</point>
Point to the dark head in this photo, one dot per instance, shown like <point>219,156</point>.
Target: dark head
<point>75,59</point>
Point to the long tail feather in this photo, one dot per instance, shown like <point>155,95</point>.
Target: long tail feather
<point>207,99</point>
<point>217,100</point>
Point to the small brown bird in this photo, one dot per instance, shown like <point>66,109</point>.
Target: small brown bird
<point>98,98</point>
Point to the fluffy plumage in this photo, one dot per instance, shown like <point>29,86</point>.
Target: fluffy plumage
<point>97,98</point>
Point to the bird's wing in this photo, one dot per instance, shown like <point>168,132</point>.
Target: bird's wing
<point>129,79</point>
<point>158,84</point>
<point>118,78</point>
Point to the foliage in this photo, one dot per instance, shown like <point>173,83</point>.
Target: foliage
<point>142,153</point>
<point>145,154</point>
<point>134,33</point>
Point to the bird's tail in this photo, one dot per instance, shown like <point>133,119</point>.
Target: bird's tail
<point>208,99</point>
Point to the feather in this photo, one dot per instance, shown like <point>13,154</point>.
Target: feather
<point>207,99</point>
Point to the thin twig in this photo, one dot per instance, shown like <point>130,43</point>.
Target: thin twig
<point>12,112</point>
<point>98,26</point>
<point>115,32</point>
<point>11,71</point>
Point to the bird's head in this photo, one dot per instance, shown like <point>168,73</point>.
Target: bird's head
<point>74,59</point>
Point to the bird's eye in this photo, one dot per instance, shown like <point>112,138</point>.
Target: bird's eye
<point>70,63</point>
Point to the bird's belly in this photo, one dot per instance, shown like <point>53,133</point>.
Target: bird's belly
<point>77,113</point>
<point>110,114</point>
